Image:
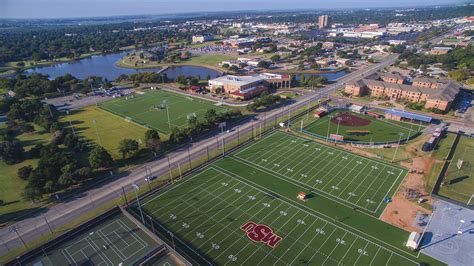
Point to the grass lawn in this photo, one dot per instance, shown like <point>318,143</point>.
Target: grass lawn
<point>210,60</point>
<point>376,131</point>
<point>141,109</point>
<point>243,209</point>
<point>110,128</point>
<point>12,186</point>
<point>460,181</point>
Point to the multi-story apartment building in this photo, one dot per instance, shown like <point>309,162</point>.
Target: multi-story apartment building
<point>435,93</point>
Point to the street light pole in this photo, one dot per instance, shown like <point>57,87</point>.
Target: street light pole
<point>96,131</point>
<point>136,188</point>
<point>329,126</point>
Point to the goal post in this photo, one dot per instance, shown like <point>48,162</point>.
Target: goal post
<point>459,164</point>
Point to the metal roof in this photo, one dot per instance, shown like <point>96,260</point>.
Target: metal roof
<point>409,115</point>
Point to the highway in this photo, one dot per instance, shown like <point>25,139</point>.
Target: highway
<point>63,213</point>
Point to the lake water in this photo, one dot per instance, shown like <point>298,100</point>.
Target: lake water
<point>330,76</point>
<point>104,66</point>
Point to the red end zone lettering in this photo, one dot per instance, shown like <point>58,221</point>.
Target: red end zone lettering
<point>261,233</point>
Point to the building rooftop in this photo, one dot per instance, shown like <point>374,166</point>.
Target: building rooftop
<point>238,80</point>
<point>401,113</point>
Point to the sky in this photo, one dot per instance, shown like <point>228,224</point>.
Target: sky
<point>100,8</point>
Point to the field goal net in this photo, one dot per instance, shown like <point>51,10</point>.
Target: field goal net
<point>460,163</point>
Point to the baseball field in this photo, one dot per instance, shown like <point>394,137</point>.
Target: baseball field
<point>359,127</point>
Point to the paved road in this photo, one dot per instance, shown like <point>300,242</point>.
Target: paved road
<point>64,212</point>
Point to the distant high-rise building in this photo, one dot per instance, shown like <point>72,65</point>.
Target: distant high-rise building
<point>323,21</point>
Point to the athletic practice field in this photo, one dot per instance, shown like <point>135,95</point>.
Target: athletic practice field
<point>117,241</point>
<point>150,109</point>
<point>359,127</point>
<point>235,212</point>
<point>343,176</point>
<point>459,181</point>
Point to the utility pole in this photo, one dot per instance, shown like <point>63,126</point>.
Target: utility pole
<point>169,169</point>
<point>396,149</point>
<point>13,228</point>
<point>96,131</point>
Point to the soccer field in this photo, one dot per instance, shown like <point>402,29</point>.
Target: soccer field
<point>377,130</point>
<point>116,241</point>
<point>460,181</point>
<point>236,212</point>
<point>141,109</point>
<point>344,177</point>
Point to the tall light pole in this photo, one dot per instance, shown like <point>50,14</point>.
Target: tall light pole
<point>460,225</point>
<point>136,188</point>
<point>338,122</point>
<point>396,149</point>
<point>329,126</point>
<point>222,125</point>
<point>93,91</point>
<point>96,131</point>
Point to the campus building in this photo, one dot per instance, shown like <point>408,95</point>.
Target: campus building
<point>202,38</point>
<point>435,93</point>
<point>323,21</point>
<point>246,87</point>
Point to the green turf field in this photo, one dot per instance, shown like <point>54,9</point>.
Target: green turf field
<point>141,109</point>
<point>206,212</point>
<point>460,181</point>
<point>115,242</point>
<point>345,177</point>
<point>379,130</point>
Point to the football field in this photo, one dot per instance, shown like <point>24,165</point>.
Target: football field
<point>209,210</point>
<point>147,109</point>
<point>345,177</point>
<point>242,213</point>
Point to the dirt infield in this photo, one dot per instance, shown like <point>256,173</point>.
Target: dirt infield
<point>348,119</point>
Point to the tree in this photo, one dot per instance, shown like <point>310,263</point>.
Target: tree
<point>275,58</point>
<point>127,146</point>
<point>152,140</point>
<point>263,64</point>
<point>31,193</point>
<point>211,116</point>
<point>25,172</point>
<point>99,158</point>
<point>11,151</point>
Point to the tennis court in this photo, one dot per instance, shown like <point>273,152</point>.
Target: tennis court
<point>116,241</point>
<point>213,214</point>
<point>150,109</point>
<point>344,177</point>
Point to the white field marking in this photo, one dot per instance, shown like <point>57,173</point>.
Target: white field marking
<point>296,182</point>
<point>243,213</point>
<point>335,247</point>
<point>315,166</point>
<point>243,236</point>
<point>345,254</point>
<point>270,148</point>
<point>335,175</point>
<point>320,170</point>
<point>179,200</point>
<point>373,258</point>
<point>351,180</point>
<point>214,193</point>
<point>300,161</point>
<point>272,224</point>
<point>285,153</point>
<point>321,246</point>
<point>378,188</point>
<point>97,250</point>
<point>106,240</point>
<point>360,254</point>
<point>370,185</point>
<point>183,242</point>
<point>312,161</point>
<point>198,210</point>
<point>312,239</point>
<point>396,180</point>
<point>215,214</point>
<point>112,245</point>
<point>327,218</point>
<point>388,259</point>
<point>177,185</point>
<point>358,183</point>
<point>260,141</point>
<point>294,242</point>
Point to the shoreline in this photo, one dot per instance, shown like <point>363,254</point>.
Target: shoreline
<point>120,63</point>
<point>307,71</point>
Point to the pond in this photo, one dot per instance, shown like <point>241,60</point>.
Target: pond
<point>330,76</point>
<point>104,66</point>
